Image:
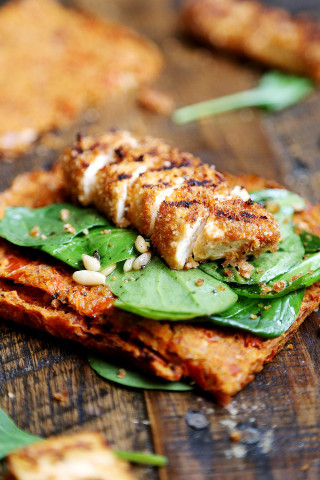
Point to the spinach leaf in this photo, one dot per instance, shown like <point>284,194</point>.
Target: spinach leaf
<point>302,275</point>
<point>132,378</point>
<point>19,221</point>
<point>11,437</point>
<point>112,247</point>
<point>286,202</point>
<point>267,318</point>
<point>275,91</point>
<point>163,294</point>
<point>310,242</point>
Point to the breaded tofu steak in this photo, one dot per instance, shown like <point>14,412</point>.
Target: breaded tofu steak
<point>189,210</point>
<point>57,61</point>
<point>268,34</point>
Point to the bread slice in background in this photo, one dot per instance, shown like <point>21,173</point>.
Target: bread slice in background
<point>57,61</point>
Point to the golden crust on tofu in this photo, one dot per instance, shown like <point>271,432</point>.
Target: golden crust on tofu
<point>235,229</point>
<point>86,157</point>
<point>220,360</point>
<point>153,187</point>
<point>81,456</point>
<point>145,180</point>
<point>78,61</point>
<point>180,219</point>
<point>268,34</point>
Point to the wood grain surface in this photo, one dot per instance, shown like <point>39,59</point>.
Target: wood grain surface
<point>278,413</point>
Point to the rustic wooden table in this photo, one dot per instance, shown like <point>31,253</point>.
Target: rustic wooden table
<point>278,412</point>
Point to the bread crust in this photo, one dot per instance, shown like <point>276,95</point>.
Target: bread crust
<point>220,360</point>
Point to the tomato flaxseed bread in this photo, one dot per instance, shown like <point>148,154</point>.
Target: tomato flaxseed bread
<point>220,360</point>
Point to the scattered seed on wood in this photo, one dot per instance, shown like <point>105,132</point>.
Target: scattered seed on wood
<point>60,396</point>
<point>235,436</point>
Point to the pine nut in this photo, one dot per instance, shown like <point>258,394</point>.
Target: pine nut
<point>90,263</point>
<point>141,261</point>
<point>88,278</point>
<point>109,269</point>
<point>127,267</point>
<point>64,214</point>
<point>141,244</point>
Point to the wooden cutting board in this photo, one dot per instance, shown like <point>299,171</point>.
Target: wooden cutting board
<point>278,413</point>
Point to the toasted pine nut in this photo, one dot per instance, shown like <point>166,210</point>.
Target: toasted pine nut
<point>127,267</point>
<point>90,263</point>
<point>64,214</point>
<point>88,278</point>
<point>141,244</point>
<point>141,261</point>
<point>109,269</point>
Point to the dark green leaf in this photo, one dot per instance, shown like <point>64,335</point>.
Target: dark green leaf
<point>271,317</point>
<point>113,247</point>
<point>310,242</point>
<point>11,437</point>
<point>163,294</point>
<point>132,378</point>
<point>302,275</point>
<point>275,91</point>
<point>19,221</point>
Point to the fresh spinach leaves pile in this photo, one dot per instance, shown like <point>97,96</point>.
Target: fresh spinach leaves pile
<point>266,303</point>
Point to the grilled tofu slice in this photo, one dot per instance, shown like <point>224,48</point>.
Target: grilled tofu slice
<point>86,157</point>
<point>153,187</point>
<point>189,210</point>
<point>114,181</point>
<point>82,456</point>
<point>181,219</point>
<point>233,230</point>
